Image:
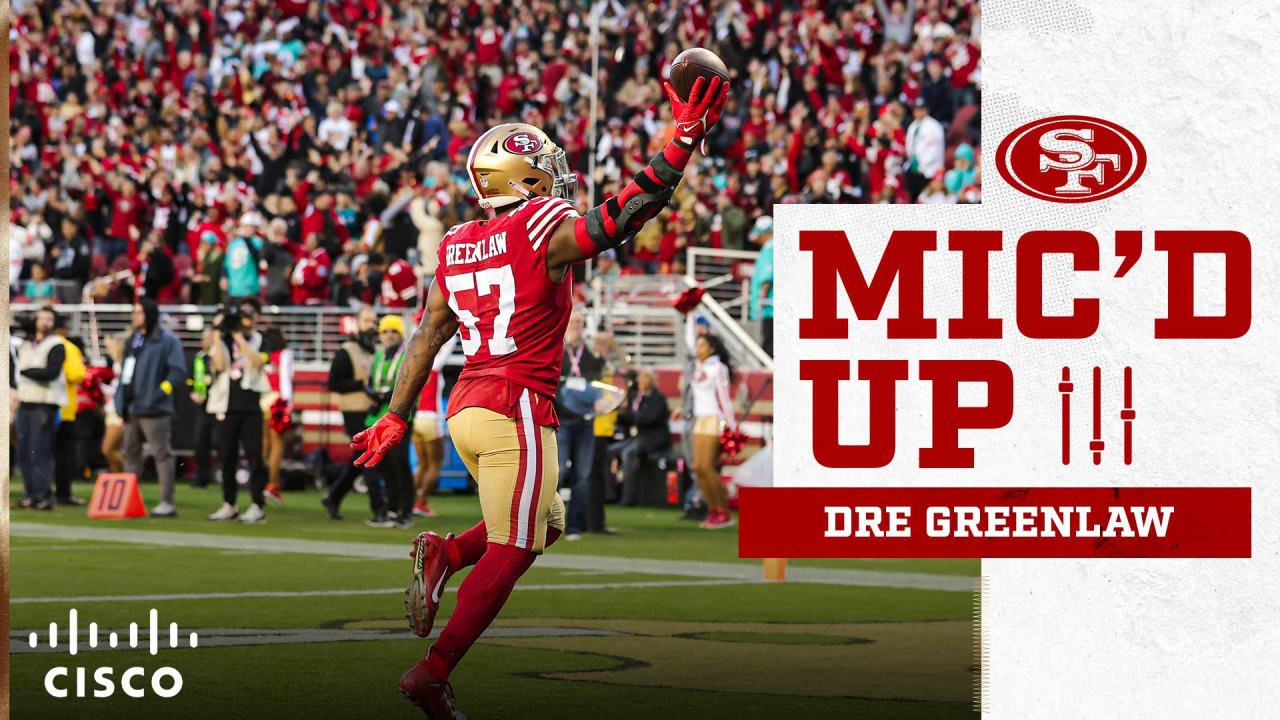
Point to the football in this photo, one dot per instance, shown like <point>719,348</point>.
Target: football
<point>692,64</point>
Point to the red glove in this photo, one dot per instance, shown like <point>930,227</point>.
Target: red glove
<point>379,439</point>
<point>706,103</point>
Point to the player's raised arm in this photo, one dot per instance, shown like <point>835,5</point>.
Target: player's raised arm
<point>609,225</point>
<point>433,332</point>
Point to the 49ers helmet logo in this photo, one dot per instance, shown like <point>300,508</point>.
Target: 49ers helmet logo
<point>1071,159</point>
<point>522,144</point>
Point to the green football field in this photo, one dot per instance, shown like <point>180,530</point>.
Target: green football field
<point>302,617</point>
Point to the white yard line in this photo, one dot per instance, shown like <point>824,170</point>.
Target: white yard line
<point>376,591</point>
<point>237,637</point>
<point>28,548</point>
<point>551,560</point>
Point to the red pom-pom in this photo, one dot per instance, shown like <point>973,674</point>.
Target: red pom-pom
<point>732,441</point>
<point>281,415</point>
<point>688,300</point>
<point>94,378</point>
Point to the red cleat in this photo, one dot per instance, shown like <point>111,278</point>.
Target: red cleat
<point>430,572</point>
<point>718,519</point>
<point>423,510</point>
<point>434,696</point>
<point>273,493</point>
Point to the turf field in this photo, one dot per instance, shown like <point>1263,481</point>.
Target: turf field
<point>301,617</point>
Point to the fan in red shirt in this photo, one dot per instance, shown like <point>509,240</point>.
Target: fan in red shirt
<point>963,56</point>
<point>311,273</point>
<point>488,42</point>
<point>503,282</point>
<point>322,220</point>
<point>127,210</point>
<point>399,287</point>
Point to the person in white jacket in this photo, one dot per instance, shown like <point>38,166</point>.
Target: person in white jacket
<point>926,148</point>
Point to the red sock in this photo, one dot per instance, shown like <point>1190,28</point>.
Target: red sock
<point>466,549</point>
<point>480,598</point>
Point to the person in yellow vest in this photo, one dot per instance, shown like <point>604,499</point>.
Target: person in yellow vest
<point>68,464</point>
<point>42,391</point>
<point>390,482</point>
<point>348,375</point>
<point>606,348</point>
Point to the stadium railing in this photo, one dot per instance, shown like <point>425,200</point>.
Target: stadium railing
<point>724,274</point>
<point>313,333</point>
<point>637,308</point>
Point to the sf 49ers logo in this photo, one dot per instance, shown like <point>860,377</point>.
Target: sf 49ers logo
<point>1071,158</point>
<point>522,143</point>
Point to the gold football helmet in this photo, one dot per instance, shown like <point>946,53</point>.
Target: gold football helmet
<point>516,161</point>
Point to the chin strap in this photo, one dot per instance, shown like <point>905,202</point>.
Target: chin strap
<point>613,223</point>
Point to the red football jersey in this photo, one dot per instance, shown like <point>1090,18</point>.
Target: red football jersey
<point>493,273</point>
<point>399,286</point>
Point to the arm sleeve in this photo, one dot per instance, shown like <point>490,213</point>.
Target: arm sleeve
<point>690,333</point>
<point>57,355</point>
<point>723,403</point>
<point>610,224</point>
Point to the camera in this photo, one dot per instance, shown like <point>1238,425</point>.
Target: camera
<point>232,318</point>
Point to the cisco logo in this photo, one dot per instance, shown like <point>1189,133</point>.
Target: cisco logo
<point>64,681</point>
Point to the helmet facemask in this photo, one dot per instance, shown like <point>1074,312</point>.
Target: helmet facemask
<point>564,183</point>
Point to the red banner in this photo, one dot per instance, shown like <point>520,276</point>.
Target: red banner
<point>995,522</point>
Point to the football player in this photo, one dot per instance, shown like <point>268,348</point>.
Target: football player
<point>504,282</point>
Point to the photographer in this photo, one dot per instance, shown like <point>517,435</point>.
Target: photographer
<point>234,399</point>
<point>41,392</point>
<point>347,376</point>
<point>201,376</point>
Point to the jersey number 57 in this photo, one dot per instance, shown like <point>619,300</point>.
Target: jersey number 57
<point>465,291</point>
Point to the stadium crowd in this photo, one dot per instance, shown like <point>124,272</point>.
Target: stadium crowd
<point>314,152</point>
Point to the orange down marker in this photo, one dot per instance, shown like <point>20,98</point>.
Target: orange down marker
<point>116,496</point>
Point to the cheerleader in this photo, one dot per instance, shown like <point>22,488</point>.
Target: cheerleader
<point>712,412</point>
<point>277,406</point>
<point>428,434</point>
<point>113,430</point>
